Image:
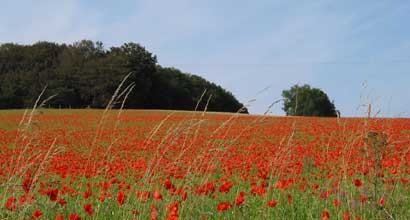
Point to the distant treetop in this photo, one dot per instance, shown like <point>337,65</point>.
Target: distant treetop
<point>307,101</point>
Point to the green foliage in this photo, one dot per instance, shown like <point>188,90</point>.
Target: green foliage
<point>172,86</point>
<point>307,101</point>
<point>85,74</point>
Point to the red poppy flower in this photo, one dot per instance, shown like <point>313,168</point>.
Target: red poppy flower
<point>59,217</point>
<point>11,204</point>
<point>381,202</point>
<point>88,208</point>
<point>101,197</point>
<point>325,215</point>
<point>52,194</point>
<point>27,183</point>
<point>168,184</point>
<point>241,198</point>
<point>358,183</point>
<point>87,194</point>
<point>121,198</point>
<point>336,202</point>
<point>346,215</point>
<point>153,212</point>
<point>62,202</point>
<point>74,216</point>
<point>173,211</point>
<point>255,190</point>
<point>157,195</point>
<point>153,215</point>
<point>272,203</point>
<point>184,195</point>
<point>225,187</point>
<point>290,199</point>
<point>37,214</point>
<point>224,206</point>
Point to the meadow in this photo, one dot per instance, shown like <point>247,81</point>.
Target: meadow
<point>131,164</point>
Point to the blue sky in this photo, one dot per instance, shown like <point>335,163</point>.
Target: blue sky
<point>356,51</point>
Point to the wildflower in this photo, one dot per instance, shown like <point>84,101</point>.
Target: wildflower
<point>272,203</point>
<point>346,215</point>
<point>11,204</point>
<point>101,197</point>
<point>241,199</point>
<point>173,211</point>
<point>381,202</point>
<point>168,185</point>
<point>255,190</point>
<point>121,198</point>
<point>325,215</point>
<point>27,183</point>
<point>336,202</point>
<point>153,212</point>
<point>37,214</point>
<point>184,195</point>
<point>62,202</point>
<point>358,183</point>
<point>74,216</point>
<point>87,194</point>
<point>225,187</point>
<point>224,206</point>
<point>157,195</point>
<point>52,194</point>
<point>59,217</point>
<point>290,199</point>
<point>88,208</point>
<point>106,186</point>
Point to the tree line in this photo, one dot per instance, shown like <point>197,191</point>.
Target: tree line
<point>86,74</point>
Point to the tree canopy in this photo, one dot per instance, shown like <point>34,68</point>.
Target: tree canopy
<point>85,74</point>
<point>307,101</point>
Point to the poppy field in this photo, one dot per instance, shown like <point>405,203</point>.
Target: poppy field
<point>92,164</point>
